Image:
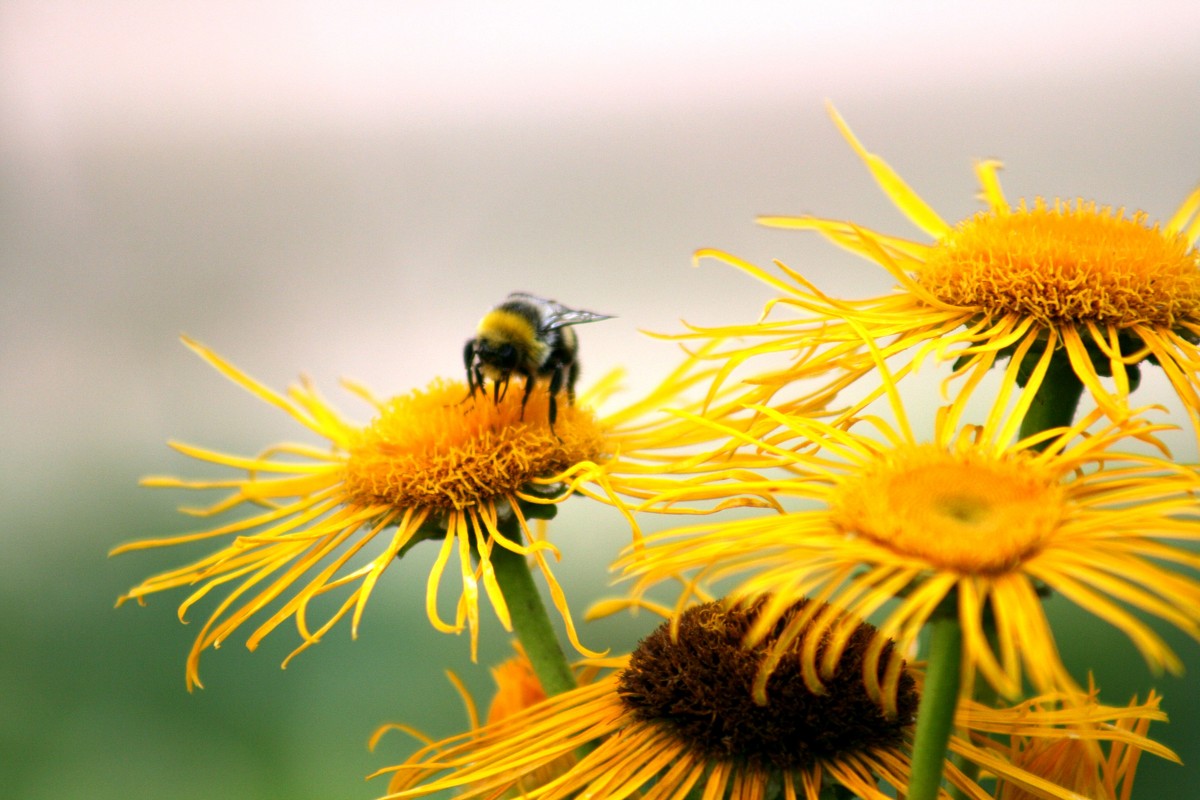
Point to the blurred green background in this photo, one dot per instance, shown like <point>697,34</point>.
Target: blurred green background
<point>343,189</point>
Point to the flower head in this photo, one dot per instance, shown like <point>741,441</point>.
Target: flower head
<point>468,474</point>
<point>679,715</point>
<point>517,688</point>
<point>677,712</point>
<point>1097,756</point>
<point>1106,289</point>
<point>972,522</point>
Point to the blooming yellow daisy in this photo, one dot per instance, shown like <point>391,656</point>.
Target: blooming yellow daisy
<point>972,522</point>
<point>517,688</point>
<point>678,716</point>
<point>1104,288</point>
<point>1096,758</point>
<point>431,465</point>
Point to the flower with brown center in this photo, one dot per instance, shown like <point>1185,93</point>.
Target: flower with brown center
<point>679,716</point>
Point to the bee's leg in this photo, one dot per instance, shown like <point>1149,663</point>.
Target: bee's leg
<point>497,386</point>
<point>530,380</point>
<point>556,381</point>
<point>572,377</point>
<point>474,378</point>
<point>469,356</point>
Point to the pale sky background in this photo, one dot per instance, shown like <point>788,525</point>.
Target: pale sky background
<point>344,189</point>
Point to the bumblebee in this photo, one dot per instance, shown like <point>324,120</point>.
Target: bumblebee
<point>532,337</point>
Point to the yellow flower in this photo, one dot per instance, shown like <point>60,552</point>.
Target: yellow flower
<point>517,689</point>
<point>1105,287</point>
<point>1096,756</point>
<point>678,716</point>
<point>972,516</point>
<point>430,466</point>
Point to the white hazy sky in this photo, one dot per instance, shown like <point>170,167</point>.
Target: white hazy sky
<point>344,188</point>
<point>150,68</point>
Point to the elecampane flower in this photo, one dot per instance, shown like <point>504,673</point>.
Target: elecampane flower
<point>972,516</point>
<point>1107,288</point>
<point>430,466</point>
<point>1097,756</point>
<point>517,687</point>
<point>678,718</point>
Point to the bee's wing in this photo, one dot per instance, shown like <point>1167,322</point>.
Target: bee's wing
<point>555,315</point>
<point>570,316</point>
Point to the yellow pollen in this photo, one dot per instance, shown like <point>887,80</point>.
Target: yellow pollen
<point>963,512</point>
<point>431,449</point>
<point>1070,263</point>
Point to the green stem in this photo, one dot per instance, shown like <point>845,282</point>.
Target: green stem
<point>935,716</point>
<point>530,621</point>
<point>1056,399</point>
<point>986,695</point>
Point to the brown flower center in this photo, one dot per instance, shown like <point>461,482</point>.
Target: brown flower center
<point>699,686</point>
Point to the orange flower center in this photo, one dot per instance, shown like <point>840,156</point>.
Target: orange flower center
<point>1071,763</point>
<point>1067,264</point>
<point>432,449</point>
<point>517,688</point>
<point>962,512</point>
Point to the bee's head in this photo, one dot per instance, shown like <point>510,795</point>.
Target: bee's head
<point>507,341</point>
<point>497,352</point>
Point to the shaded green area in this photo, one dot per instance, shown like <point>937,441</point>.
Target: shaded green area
<point>93,704</point>
<point>93,701</point>
<point>1089,645</point>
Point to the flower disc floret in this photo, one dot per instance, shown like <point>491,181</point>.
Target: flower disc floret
<point>697,683</point>
<point>964,511</point>
<point>1066,263</point>
<point>430,449</point>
